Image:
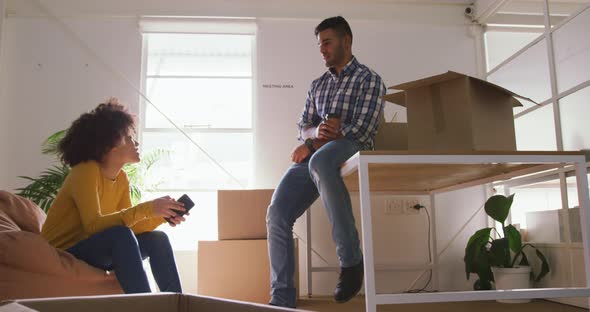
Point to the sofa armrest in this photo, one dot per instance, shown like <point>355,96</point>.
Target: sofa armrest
<point>26,251</point>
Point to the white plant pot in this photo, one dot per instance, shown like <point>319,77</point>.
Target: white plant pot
<point>512,278</point>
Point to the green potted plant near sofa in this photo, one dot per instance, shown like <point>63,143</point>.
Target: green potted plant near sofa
<point>503,252</point>
<point>42,189</point>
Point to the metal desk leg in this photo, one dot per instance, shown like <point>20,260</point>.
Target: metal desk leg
<point>367,231</point>
<point>584,201</point>
<point>434,249</point>
<point>308,251</point>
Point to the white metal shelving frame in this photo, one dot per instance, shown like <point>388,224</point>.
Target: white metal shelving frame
<point>531,162</point>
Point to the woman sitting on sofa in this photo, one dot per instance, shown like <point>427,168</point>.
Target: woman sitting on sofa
<point>92,217</point>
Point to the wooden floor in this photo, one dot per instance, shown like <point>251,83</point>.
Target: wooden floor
<point>325,304</point>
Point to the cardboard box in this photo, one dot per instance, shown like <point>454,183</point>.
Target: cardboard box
<point>455,112</point>
<point>156,302</point>
<point>236,269</point>
<point>391,136</point>
<point>241,214</point>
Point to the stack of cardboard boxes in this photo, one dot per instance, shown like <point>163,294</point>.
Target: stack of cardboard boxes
<point>236,266</point>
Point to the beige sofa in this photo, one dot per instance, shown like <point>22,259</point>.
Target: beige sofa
<point>31,268</point>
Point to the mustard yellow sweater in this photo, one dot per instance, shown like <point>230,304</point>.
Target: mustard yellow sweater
<point>89,203</point>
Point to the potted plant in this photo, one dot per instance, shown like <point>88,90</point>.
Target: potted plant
<point>501,253</point>
<point>43,189</point>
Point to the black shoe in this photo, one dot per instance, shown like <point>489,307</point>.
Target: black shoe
<point>349,283</point>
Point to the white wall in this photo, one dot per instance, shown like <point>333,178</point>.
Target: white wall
<point>49,81</point>
<point>402,240</point>
<point>288,54</point>
<point>398,51</point>
<point>453,210</point>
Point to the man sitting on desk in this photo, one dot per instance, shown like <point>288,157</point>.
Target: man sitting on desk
<point>340,118</point>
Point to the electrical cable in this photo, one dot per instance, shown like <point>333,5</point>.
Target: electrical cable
<point>423,289</point>
<point>451,240</point>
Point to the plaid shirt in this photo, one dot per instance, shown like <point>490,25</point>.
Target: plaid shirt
<point>354,95</point>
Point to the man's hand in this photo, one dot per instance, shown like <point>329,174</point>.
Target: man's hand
<point>300,153</point>
<point>328,130</point>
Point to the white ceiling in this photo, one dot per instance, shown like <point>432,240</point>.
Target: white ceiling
<point>420,2</point>
<point>428,11</point>
<point>108,5</point>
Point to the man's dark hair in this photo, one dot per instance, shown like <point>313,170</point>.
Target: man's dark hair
<point>94,134</point>
<point>338,24</point>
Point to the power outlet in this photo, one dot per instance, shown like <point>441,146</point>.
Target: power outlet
<point>401,206</point>
<point>394,207</point>
<point>409,206</point>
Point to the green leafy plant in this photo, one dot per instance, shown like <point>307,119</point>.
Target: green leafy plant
<point>483,251</point>
<point>43,189</point>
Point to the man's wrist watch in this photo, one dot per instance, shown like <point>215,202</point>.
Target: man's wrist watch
<point>309,144</point>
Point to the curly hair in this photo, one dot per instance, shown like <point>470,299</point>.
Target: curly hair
<point>94,134</point>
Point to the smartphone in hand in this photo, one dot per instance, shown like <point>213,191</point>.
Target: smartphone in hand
<point>188,204</point>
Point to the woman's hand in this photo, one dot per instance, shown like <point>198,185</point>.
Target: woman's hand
<point>166,207</point>
<point>177,219</point>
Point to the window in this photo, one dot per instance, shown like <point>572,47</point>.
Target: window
<point>535,49</point>
<point>502,44</point>
<point>198,119</point>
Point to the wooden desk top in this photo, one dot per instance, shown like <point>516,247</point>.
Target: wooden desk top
<point>425,178</point>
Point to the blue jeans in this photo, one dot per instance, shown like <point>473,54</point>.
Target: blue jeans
<point>117,248</point>
<point>299,188</point>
